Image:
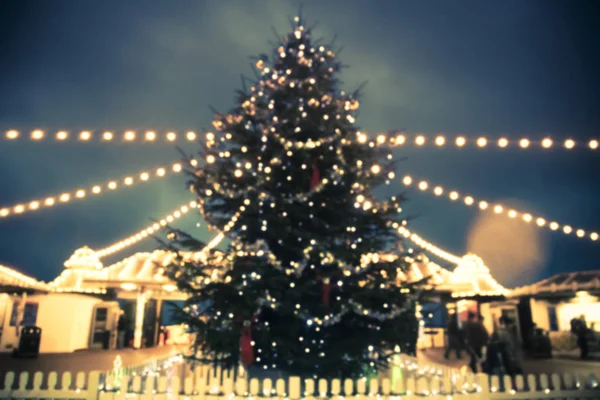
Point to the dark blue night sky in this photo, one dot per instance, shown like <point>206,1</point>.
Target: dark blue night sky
<point>512,68</point>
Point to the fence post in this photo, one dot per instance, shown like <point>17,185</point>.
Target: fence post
<point>92,385</point>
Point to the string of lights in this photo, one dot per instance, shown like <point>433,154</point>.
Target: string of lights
<point>144,233</point>
<point>498,208</point>
<point>38,135</point>
<point>428,246</point>
<point>481,142</point>
<point>399,139</point>
<point>162,223</point>
<point>95,190</point>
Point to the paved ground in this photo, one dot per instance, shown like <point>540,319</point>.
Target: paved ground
<point>85,361</point>
<point>558,365</point>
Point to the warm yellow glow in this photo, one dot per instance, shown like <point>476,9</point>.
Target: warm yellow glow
<point>483,205</point>
<point>553,225</point>
<point>129,136</point>
<point>407,181</point>
<point>527,217</point>
<point>540,222</point>
<point>361,137</point>
<point>461,141</point>
<point>210,159</point>
<point>381,139</point>
<point>150,136</point>
<point>481,142</point>
<point>169,288</point>
<point>62,135</point>
<point>453,195</point>
<point>512,213</point>
<point>524,143</point>
<point>420,140</point>
<point>375,169</point>
<point>190,136</point>
<point>547,143</point>
<point>469,200</point>
<point>107,136</point>
<point>502,142</point>
<point>85,135</point>
<point>498,209</point>
<point>12,134</point>
<point>569,144</point>
<point>440,141</point>
<point>593,144</point>
<point>238,173</point>
<point>423,185</point>
<point>567,229</point>
<point>438,191</point>
<point>128,286</point>
<point>594,236</point>
<point>171,136</point>
<point>400,140</point>
<point>37,134</point>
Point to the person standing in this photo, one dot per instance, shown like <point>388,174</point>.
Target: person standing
<point>121,328</point>
<point>477,338</point>
<point>509,336</point>
<point>454,338</point>
<point>580,330</point>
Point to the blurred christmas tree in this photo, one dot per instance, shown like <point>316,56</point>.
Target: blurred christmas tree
<point>311,282</point>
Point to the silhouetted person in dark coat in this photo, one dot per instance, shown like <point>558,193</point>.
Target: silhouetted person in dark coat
<point>455,340</point>
<point>477,338</point>
<point>580,330</point>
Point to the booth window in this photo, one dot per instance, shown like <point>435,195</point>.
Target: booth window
<point>553,319</point>
<point>29,314</point>
<point>14,314</point>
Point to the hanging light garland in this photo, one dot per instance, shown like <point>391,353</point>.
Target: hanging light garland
<point>442,140</point>
<point>157,226</point>
<point>497,208</point>
<point>428,246</point>
<point>144,233</point>
<point>399,139</point>
<point>94,190</point>
<point>38,135</point>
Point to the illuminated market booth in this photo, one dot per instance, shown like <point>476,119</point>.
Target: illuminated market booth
<point>552,303</point>
<point>468,287</point>
<point>81,308</point>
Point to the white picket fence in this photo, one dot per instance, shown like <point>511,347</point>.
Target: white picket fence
<point>176,381</point>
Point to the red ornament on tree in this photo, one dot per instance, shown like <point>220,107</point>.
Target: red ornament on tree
<point>325,291</point>
<point>246,349</point>
<point>316,176</point>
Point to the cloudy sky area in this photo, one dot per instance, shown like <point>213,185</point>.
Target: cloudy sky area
<point>509,68</point>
